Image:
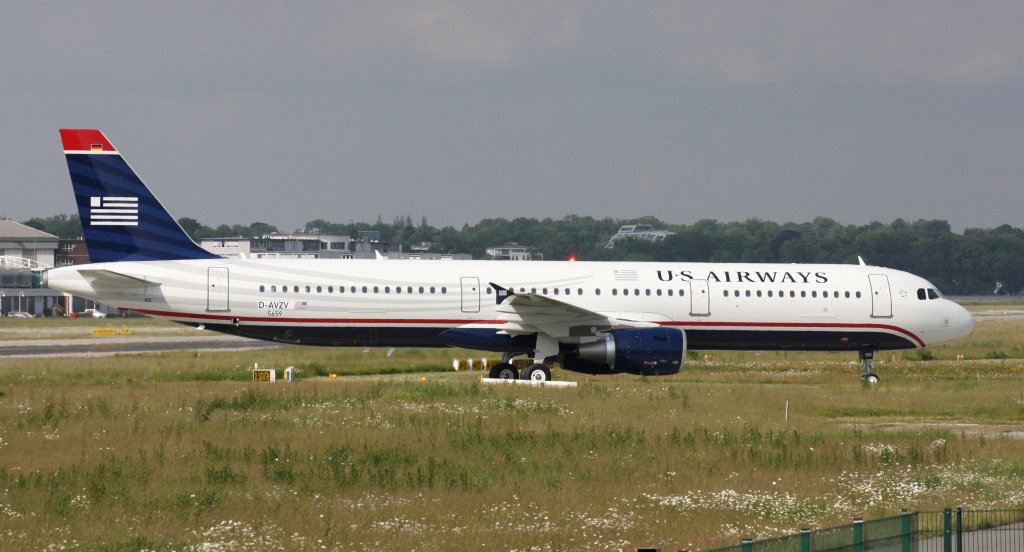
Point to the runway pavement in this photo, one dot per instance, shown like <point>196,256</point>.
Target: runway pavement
<point>100,346</point>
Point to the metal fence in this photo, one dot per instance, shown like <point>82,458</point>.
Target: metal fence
<point>949,530</point>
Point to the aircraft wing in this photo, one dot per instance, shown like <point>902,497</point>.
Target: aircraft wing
<point>528,313</point>
<point>112,279</point>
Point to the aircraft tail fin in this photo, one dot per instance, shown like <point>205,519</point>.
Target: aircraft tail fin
<point>121,219</point>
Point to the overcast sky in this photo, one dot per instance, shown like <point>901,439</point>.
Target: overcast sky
<point>284,112</point>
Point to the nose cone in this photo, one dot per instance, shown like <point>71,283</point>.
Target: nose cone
<point>960,324</point>
<point>966,321</point>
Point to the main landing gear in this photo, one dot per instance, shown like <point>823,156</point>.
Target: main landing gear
<point>539,371</point>
<point>867,358</point>
<point>534,372</point>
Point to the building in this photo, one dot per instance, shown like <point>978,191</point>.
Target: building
<point>25,242</point>
<point>24,253</point>
<point>512,251</point>
<point>313,245</point>
<point>638,232</point>
<point>71,252</point>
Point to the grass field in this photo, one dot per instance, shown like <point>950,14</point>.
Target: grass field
<point>178,451</point>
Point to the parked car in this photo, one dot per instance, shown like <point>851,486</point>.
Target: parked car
<point>20,314</point>
<point>93,313</point>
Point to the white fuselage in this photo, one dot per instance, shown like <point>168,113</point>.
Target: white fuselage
<point>410,302</point>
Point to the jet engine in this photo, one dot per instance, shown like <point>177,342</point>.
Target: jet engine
<point>643,351</point>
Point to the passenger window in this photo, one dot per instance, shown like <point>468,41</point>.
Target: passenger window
<point>295,288</point>
<point>261,289</point>
<point>670,293</point>
<point>409,289</point>
<point>431,290</point>
<point>803,294</point>
<point>636,292</point>
<point>398,289</point>
<point>682,292</point>
<point>365,289</point>
<point>444,289</point>
<point>307,289</point>
<point>421,290</point>
<point>747,293</point>
<point>814,294</point>
<point>847,294</point>
<point>597,291</point>
<point>387,289</point>
<point>544,291</point>
<point>858,295</point>
<point>769,293</point>
<point>647,292</point>
<point>273,289</point>
<point>736,293</point>
<point>758,293</point>
<point>319,289</point>
<point>615,291</point>
<point>353,289</point>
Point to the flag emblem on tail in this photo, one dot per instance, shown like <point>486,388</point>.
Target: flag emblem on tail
<point>113,211</point>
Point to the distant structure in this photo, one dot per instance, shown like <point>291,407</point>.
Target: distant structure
<point>512,251</point>
<point>638,232</point>
<point>24,253</point>
<point>314,245</point>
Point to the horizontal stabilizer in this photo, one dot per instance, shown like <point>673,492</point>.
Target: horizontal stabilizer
<point>109,278</point>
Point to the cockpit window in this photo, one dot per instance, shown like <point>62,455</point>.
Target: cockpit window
<point>921,294</point>
<point>933,293</point>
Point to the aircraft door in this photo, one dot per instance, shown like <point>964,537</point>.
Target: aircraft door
<point>881,298</point>
<point>700,298</point>
<point>217,280</point>
<point>470,294</point>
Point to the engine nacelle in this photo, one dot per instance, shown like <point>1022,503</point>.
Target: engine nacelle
<point>644,351</point>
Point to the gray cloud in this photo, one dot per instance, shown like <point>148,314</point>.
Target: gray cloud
<point>242,111</point>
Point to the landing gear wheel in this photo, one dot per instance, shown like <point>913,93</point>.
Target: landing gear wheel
<point>537,372</point>
<point>867,358</point>
<point>504,370</point>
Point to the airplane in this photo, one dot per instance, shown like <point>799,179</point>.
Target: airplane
<point>590,317</point>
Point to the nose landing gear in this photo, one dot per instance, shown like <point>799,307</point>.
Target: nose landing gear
<point>867,358</point>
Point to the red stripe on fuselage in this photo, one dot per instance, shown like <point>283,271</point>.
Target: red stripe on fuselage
<point>229,318</point>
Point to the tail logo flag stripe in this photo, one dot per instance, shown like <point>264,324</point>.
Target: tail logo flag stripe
<point>113,211</point>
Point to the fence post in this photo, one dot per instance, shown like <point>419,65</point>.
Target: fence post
<point>959,529</point>
<point>905,537</point>
<point>947,530</point>
<point>805,540</point>
<point>858,535</point>
<point>748,545</point>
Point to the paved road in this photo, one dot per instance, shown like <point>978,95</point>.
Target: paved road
<point>100,346</point>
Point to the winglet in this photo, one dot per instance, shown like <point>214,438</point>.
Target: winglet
<point>500,293</point>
